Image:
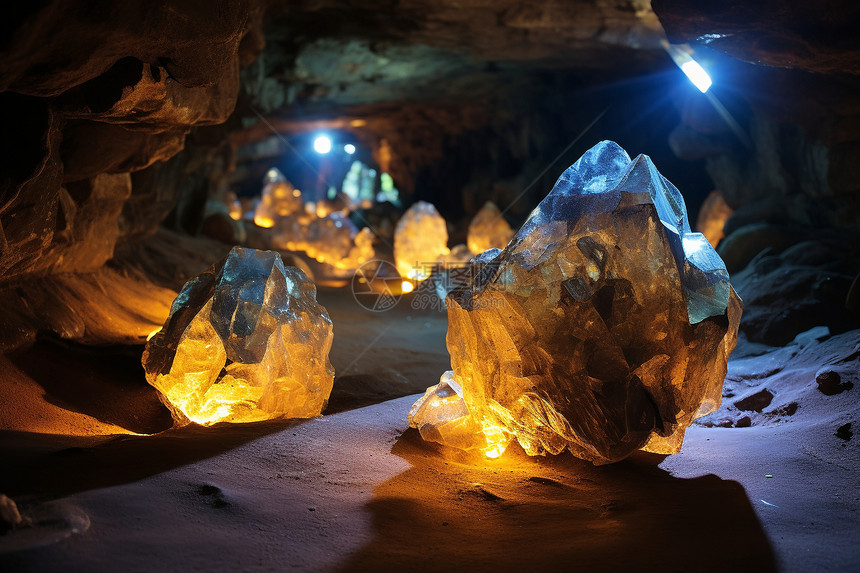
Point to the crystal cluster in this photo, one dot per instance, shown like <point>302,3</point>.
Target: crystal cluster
<point>325,234</point>
<point>420,239</point>
<point>488,230</point>
<point>333,239</point>
<point>245,340</point>
<point>603,327</point>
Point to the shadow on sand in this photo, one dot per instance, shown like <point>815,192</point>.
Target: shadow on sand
<point>47,465</point>
<point>556,514</point>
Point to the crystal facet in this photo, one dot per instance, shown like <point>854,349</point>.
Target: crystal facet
<point>245,341</point>
<point>603,327</point>
<point>420,239</point>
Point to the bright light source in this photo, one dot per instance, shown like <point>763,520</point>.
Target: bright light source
<point>322,144</point>
<point>406,287</point>
<point>349,148</point>
<point>697,75</point>
<point>682,55</point>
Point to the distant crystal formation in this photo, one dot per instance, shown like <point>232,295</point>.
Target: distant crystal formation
<point>325,234</point>
<point>420,239</point>
<point>602,328</point>
<point>713,215</point>
<point>279,199</point>
<point>488,230</point>
<point>245,341</point>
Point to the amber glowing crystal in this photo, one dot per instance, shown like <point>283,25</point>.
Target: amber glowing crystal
<point>602,328</point>
<point>245,340</point>
<point>488,230</point>
<point>420,239</point>
<point>279,199</point>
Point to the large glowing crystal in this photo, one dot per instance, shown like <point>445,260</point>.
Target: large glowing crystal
<point>246,340</point>
<point>420,239</point>
<point>603,327</point>
<point>488,230</point>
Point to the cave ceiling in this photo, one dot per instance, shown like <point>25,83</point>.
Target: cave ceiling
<point>190,97</point>
<point>322,54</point>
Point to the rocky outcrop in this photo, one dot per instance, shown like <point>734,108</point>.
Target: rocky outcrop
<point>816,36</point>
<point>90,92</point>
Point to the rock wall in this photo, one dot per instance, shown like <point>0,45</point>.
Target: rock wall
<point>93,91</point>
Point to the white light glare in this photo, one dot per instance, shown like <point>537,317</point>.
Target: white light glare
<point>349,148</point>
<point>682,55</point>
<point>322,144</point>
<point>697,75</point>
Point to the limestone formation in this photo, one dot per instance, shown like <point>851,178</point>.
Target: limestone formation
<point>488,230</point>
<point>603,327</point>
<point>420,239</point>
<point>245,341</point>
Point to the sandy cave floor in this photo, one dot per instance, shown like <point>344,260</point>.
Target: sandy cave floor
<point>356,490</point>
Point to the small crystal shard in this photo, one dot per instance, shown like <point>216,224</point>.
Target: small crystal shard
<point>488,230</point>
<point>441,415</point>
<point>420,239</point>
<point>603,327</point>
<point>245,340</point>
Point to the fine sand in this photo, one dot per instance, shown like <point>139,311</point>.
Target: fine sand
<point>89,455</point>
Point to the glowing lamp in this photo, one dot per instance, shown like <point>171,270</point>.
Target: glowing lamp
<point>406,287</point>
<point>322,144</point>
<point>349,148</point>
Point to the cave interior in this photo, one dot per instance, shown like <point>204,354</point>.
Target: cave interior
<point>142,141</point>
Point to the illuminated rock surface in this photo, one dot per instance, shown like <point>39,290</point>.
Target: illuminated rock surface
<point>488,230</point>
<point>602,328</point>
<point>420,239</point>
<point>246,340</point>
